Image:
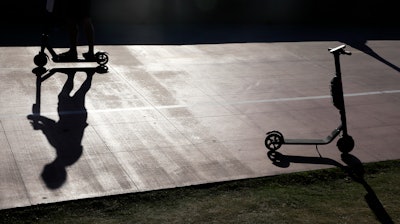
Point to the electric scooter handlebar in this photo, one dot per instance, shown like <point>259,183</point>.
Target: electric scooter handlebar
<point>340,50</point>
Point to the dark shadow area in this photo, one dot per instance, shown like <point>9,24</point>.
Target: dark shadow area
<point>167,22</point>
<point>213,33</point>
<point>201,33</point>
<point>357,173</point>
<point>353,168</point>
<point>66,134</point>
<point>124,22</point>
<point>362,45</point>
<point>181,34</point>
<point>284,161</point>
<point>356,12</point>
<point>177,22</point>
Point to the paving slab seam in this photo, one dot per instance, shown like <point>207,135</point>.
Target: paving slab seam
<point>28,196</point>
<point>113,155</point>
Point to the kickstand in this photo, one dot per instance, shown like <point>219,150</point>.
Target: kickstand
<point>316,147</point>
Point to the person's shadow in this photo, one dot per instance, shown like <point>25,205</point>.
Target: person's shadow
<point>66,134</point>
<point>353,168</point>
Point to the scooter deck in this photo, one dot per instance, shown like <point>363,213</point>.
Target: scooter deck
<point>325,141</point>
<point>100,57</point>
<point>57,59</point>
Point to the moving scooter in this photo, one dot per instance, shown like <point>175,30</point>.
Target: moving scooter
<point>345,144</point>
<point>41,58</point>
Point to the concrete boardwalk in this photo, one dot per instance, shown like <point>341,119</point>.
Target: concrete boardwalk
<point>167,116</point>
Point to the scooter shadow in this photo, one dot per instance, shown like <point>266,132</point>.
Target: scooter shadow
<point>353,168</point>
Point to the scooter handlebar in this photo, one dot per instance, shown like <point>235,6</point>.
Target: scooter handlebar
<point>339,50</point>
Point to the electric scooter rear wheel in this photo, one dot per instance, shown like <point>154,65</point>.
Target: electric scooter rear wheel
<point>274,140</point>
<point>40,59</point>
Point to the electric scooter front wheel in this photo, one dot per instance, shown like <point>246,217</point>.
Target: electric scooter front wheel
<point>274,140</point>
<point>40,59</point>
<point>101,58</point>
<point>345,144</point>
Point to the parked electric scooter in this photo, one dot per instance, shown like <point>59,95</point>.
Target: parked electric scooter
<point>345,144</point>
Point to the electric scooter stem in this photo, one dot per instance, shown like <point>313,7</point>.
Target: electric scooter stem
<point>336,53</point>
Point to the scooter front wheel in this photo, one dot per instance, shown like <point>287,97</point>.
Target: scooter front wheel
<point>101,58</point>
<point>345,144</point>
<point>40,59</point>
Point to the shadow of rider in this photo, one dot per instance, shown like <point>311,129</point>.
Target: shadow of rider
<point>66,134</point>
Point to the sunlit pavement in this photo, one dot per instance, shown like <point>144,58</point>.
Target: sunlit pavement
<point>167,116</point>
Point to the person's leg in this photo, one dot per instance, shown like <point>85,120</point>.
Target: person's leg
<point>69,8</point>
<point>89,32</point>
<point>87,26</point>
<point>73,35</point>
<point>71,54</point>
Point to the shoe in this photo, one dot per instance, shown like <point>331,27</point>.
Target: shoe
<point>89,56</point>
<point>68,56</point>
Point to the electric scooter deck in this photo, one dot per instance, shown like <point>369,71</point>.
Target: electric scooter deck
<point>96,58</point>
<point>324,141</point>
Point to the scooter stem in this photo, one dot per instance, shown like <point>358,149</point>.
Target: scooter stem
<point>336,53</point>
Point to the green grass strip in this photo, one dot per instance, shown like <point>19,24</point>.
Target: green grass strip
<point>322,196</point>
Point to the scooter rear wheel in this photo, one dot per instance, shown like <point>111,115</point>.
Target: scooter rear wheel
<point>274,140</point>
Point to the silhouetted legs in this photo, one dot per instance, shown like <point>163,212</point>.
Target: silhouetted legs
<point>73,29</point>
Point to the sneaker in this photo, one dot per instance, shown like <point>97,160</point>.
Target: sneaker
<point>89,56</point>
<point>68,56</point>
